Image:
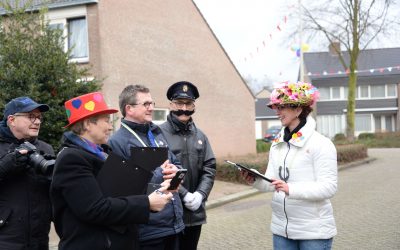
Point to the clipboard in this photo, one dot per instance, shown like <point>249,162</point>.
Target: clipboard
<point>148,158</point>
<point>241,168</point>
<point>119,178</point>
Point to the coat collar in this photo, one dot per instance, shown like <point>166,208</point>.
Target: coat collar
<point>299,138</point>
<point>179,126</point>
<point>142,128</point>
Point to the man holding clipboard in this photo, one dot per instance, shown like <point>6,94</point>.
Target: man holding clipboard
<point>138,132</point>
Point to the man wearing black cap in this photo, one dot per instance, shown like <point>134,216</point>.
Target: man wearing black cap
<point>193,150</point>
<point>25,210</point>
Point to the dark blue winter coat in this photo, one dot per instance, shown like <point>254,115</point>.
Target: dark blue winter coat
<point>169,221</point>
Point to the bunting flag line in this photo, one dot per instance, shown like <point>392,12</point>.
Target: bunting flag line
<point>270,36</point>
<point>347,71</point>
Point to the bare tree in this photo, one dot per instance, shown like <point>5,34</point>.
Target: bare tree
<point>354,24</point>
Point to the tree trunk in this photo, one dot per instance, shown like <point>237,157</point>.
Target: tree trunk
<point>351,106</point>
<point>353,53</point>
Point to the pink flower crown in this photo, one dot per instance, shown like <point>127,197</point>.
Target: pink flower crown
<point>294,93</point>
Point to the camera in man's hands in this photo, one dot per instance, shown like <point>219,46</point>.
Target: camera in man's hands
<point>36,160</point>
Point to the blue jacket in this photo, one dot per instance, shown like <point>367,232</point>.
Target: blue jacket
<point>169,221</point>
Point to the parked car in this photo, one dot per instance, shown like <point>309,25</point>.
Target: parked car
<point>271,133</point>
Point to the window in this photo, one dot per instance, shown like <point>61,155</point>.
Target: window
<point>378,123</point>
<point>363,93</point>
<point>363,122</point>
<point>58,26</point>
<point>160,115</point>
<point>335,92</point>
<point>388,123</point>
<point>332,93</point>
<point>391,90</point>
<point>324,93</point>
<point>330,125</point>
<point>55,26</point>
<point>346,92</point>
<point>377,91</point>
<point>78,38</point>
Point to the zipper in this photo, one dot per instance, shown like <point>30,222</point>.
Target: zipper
<point>284,199</point>
<point>185,157</point>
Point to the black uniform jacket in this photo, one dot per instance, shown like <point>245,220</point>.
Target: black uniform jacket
<point>191,147</point>
<point>25,210</point>
<point>84,218</point>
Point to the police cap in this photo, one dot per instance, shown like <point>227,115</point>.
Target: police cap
<point>182,90</point>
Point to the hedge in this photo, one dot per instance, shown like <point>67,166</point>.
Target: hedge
<point>227,172</point>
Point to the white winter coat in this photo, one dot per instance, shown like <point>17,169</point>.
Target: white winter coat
<point>306,213</point>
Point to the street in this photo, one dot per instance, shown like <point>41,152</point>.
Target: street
<point>366,207</point>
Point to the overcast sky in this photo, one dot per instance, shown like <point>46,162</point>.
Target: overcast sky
<point>255,35</point>
<point>248,31</point>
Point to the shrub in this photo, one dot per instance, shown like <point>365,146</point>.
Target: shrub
<point>382,140</point>
<point>263,146</point>
<point>226,172</point>
<point>339,137</point>
<point>366,136</point>
<point>351,152</point>
<point>387,135</point>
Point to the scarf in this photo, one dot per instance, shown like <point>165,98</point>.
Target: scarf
<point>288,134</point>
<point>86,144</point>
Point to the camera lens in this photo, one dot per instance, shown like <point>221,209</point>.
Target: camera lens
<point>41,165</point>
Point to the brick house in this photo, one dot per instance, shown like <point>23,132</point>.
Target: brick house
<point>157,43</point>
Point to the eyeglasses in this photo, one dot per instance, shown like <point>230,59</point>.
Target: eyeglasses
<point>145,104</point>
<point>32,117</point>
<point>180,104</point>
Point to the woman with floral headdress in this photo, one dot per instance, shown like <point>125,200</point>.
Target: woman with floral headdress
<point>303,168</point>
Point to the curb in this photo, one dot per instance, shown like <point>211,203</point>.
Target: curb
<point>231,198</point>
<point>247,193</point>
<point>356,163</point>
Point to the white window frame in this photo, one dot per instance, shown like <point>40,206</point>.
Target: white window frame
<point>340,93</point>
<point>359,92</point>
<point>78,59</point>
<point>372,124</point>
<point>387,90</point>
<point>61,16</point>
<point>326,124</point>
<point>384,90</point>
<point>329,97</point>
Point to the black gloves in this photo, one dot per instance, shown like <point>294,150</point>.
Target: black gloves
<point>14,162</point>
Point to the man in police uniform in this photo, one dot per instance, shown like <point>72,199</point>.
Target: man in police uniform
<point>193,150</point>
